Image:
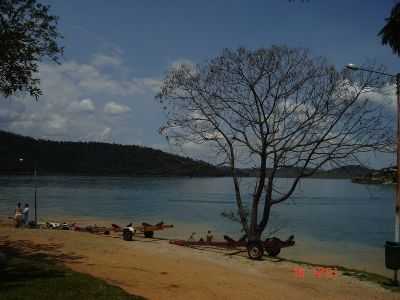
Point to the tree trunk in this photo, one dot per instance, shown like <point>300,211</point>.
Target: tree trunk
<point>253,216</point>
<point>254,236</point>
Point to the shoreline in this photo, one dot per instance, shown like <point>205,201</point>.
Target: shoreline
<point>364,258</point>
<point>96,175</point>
<point>155,269</point>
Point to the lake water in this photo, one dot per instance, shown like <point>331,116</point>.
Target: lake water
<point>334,221</point>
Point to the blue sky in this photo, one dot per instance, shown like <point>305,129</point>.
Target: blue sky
<point>151,34</point>
<point>116,52</point>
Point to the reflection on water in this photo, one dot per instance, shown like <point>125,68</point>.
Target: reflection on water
<point>323,212</point>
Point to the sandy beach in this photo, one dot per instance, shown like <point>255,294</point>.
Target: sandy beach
<point>155,269</point>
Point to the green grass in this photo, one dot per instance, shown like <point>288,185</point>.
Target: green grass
<point>39,279</point>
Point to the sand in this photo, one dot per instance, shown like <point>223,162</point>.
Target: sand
<point>155,269</point>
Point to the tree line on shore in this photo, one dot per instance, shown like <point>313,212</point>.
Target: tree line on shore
<point>19,154</point>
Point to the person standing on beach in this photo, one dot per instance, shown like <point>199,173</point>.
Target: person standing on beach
<point>25,214</point>
<point>18,215</point>
<point>209,237</point>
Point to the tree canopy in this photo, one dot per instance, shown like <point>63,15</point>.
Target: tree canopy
<point>390,33</point>
<point>28,34</point>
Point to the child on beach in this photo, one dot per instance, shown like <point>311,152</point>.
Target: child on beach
<point>209,237</point>
<point>18,215</point>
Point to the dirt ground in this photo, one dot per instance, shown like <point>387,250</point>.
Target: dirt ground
<point>155,269</point>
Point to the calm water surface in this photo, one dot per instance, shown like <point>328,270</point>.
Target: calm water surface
<point>334,221</point>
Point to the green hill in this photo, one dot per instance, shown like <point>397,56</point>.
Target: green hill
<point>104,159</point>
<point>92,158</point>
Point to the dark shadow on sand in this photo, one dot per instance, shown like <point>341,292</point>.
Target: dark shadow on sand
<point>36,271</point>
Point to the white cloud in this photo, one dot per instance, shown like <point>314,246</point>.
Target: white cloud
<point>385,96</point>
<point>186,65</point>
<point>56,122</point>
<point>101,60</point>
<point>149,84</point>
<point>114,108</point>
<point>105,135</point>
<point>85,105</point>
<point>92,79</point>
<point>8,116</point>
<point>72,92</point>
<point>182,62</point>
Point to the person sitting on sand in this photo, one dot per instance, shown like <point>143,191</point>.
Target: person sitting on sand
<point>18,215</point>
<point>209,237</point>
<point>25,213</point>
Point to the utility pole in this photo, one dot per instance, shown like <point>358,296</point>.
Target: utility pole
<point>35,183</point>
<point>397,202</point>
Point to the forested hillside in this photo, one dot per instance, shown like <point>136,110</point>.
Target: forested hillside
<point>92,158</point>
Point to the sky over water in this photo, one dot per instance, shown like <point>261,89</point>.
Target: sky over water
<point>116,54</point>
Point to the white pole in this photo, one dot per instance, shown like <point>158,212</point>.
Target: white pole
<point>35,183</point>
<point>397,205</point>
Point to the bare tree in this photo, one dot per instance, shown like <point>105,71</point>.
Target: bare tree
<point>279,108</point>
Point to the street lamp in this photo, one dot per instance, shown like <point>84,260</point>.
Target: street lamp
<point>397,205</point>
<point>35,183</point>
<point>21,160</point>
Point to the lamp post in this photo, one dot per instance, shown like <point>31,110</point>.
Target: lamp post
<point>35,183</point>
<point>397,203</point>
<point>21,160</point>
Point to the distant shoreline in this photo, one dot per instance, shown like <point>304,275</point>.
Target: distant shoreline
<point>40,174</point>
<point>22,155</point>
